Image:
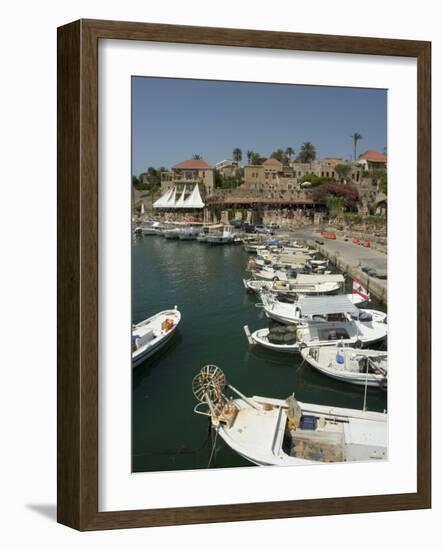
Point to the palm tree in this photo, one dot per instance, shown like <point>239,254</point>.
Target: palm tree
<point>249,155</point>
<point>307,152</point>
<point>289,152</point>
<point>355,137</point>
<point>197,157</point>
<point>278,155</point>
<point>237,155</point>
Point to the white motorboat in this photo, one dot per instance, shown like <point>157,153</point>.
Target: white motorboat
<point>152,229</point>
<point>363,367</point>
<point>276,273</point>
<point>286,288</point>
<point>202,237</point>
<point>226,237</point>
<point>188,233</point>
<point>253,248</point>
<point>153,333</point>
<point>171,233</point>
<point>277,432</point>
<point>292,260</point>
<point>293,338</point>
<point>317,308</point>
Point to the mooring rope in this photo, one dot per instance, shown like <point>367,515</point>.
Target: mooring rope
<point>213,448</point>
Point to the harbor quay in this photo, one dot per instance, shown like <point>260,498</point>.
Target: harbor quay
<point>351,258</point>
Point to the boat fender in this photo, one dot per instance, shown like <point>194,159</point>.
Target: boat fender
<point>358,344</point>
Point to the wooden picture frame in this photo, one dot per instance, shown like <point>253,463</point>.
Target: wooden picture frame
<point>78,273</point>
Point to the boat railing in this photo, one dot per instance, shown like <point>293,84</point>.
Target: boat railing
<point>197,409</point>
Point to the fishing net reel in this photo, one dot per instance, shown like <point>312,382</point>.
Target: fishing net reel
<point>208,387</point>
<point>209,383</point>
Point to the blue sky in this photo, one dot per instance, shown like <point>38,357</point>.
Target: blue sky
<point>173,119</point>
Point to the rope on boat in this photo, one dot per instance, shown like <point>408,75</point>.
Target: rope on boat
<point>213,448</point>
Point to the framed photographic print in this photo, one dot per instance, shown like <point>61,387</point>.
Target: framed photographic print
<point>243,275</point>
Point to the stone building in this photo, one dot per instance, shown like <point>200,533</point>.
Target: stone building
<point>228,168</point>
<point>274,175</point>
<point>325,168</point>
<point>373,160</point>
<point>189,173</point>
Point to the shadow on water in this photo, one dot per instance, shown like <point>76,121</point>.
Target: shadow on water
<point>206,284</point>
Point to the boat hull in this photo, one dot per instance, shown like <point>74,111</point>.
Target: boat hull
<point>161,337</point>
<point>357,378</point>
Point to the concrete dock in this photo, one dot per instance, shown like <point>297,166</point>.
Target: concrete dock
<point>350,258</point>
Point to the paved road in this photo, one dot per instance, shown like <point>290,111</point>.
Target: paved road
<point>351,253</point>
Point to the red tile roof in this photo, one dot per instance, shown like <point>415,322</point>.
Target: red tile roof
<point>373,156</point>
<point>272,162</point>
<point>193,164</point>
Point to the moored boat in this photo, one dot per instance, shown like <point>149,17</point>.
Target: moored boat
<point>365,367</point>
<point>150,335</point>
<point>318,309</point>
<point>345,330</point>
<point>226,237</point>
<point>286,288</point>
<point>152,229</point>
<point>268,431</point>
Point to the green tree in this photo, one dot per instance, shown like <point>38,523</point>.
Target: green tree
<point>289,152</point>
<point>335,205</point>
<point>197,157</point>
<point>355,137</point>
<point>256,159</point>
<point>135,181</point>
<point>279,155</point>
<point>383,184</point>
<point>237,155</point>
<point>343,171</point>
<point>307,152</point>
<point>249,156</point>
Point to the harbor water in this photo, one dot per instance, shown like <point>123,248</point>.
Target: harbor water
<point>205,282</point>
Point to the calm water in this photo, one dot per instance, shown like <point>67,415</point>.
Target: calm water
<point>205,282</point>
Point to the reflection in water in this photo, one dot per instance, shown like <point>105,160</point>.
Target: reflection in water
<point>205,282</point>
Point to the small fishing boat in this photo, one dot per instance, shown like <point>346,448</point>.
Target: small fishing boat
<point>286,288</point>
<point>345,330</point>
<point>365,367</point>
<point>188,233</point>
<point>274,273</point>
<point>288,260</point>
<point>153,333</point>
<point>253,248</point>
<point>202,237</point>
<point>152,229</point>
<point>277,432</point>
<point>171,233</point>
<point>226,237</point>
<point>317,308</point>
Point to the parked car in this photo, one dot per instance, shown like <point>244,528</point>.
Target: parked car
<point>273,225</point>
<point>264,229</point>
<point>249,228</point>
<point>237,224</point>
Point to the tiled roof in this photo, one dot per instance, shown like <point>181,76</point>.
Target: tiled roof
<point>193,164</point>
<point>272,162</point>
<point>373,156</point>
